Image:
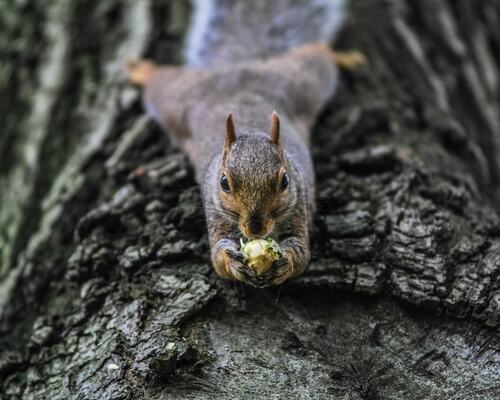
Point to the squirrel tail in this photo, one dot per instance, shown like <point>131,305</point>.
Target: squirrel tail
<point>230,31</point>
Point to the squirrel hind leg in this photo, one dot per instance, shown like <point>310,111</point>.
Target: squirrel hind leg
<point>139,71</point>
<point>349,59</point>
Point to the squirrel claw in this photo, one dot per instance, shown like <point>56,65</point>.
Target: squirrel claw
<point>236,255</point>
<point>281,270</point>
<point>244,273</point>
<point>239,270</point>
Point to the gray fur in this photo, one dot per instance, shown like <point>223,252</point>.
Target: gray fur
<point>232,31</point>
<point>193,106</point>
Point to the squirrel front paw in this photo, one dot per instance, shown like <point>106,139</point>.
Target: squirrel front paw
<point>280,271</point>
<point>229,263</point>
<point>236,266</point>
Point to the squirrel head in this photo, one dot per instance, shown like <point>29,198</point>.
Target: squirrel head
<point>254,185</point>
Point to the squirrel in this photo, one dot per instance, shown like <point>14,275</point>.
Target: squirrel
<point>245,125</point>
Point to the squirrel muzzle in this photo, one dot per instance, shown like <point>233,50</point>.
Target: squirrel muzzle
<point>254,226</point>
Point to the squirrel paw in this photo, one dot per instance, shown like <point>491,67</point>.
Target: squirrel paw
<point>281,270</point>
<point>236,267</point>
<point>349,59</point>
<point>139,71</point>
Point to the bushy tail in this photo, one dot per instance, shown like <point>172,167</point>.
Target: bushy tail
<point>230,31</point>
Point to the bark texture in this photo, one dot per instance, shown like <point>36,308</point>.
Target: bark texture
<point>106,291</point>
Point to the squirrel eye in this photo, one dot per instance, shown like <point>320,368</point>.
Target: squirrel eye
<point>284,182</point>
<point>224,184</point>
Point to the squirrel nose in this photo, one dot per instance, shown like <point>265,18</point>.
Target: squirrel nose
<point>255,225</point>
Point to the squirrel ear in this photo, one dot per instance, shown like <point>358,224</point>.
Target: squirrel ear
<point>230,132</point>
<point>275,128</point>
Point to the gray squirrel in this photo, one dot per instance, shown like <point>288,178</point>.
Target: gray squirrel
<point>258,73</point>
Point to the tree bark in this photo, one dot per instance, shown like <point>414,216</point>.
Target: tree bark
<point>106,290</point>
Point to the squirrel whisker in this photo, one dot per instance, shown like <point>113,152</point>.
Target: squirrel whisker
<point>284,211</point>
<point>222,210</point>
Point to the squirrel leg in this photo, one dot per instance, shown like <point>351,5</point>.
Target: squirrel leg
<point>139,71</point>
<point>348,59</point>
<point>343,59</point>
<point>229,263</point>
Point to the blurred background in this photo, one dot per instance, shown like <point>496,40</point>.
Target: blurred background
<point>106,290</point>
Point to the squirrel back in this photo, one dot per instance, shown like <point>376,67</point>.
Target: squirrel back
<point>231,31</point>
<point>192,104</point>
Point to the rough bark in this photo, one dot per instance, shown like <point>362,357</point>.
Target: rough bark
<point>106,289</point>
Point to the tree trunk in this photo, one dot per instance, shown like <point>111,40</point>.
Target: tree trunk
<point>106,291</point>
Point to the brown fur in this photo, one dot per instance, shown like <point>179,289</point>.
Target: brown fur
<point>193,105</point>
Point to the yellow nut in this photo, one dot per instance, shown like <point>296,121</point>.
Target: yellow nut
<point>260,254</point>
